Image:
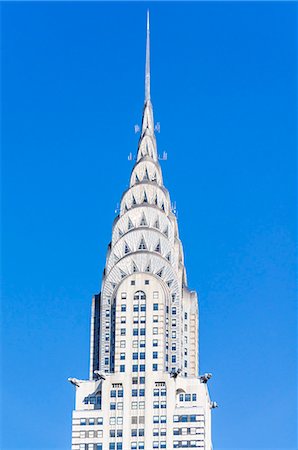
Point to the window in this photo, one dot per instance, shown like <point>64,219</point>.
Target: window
<point>155,419</point>
<point>155,294</point>
<point>98,446</point>
<point>132,282</point>
<point>155,343</point>
<point>83,422</point>
<point>163,419</point>
<point>135,332</point>
<point>174,358</point>
<point>154,367</point>
<point>187,397</point>
<point>146,281</point>
<point>134,405</point>
<point>123,319</point>
<point>142,331</point>
<point>155,444</point>
<point>142,355</point>
<point>141,445</point>
<point>113,393</point>
<point>163,392</point>
<point>163,432</point>
<point>142,245</point>
<point>112,406</point>
<point>174,310</point>
<point>120,393</point>
<point>173,334</point>
<point>134,432</point>
<point>143,308</point>
<point>134,392</point>
<point>155,306</point>
<point>99,433</point>
<point>163,404</point>
<point>163,444</point>
<point>174,322</point>
<point>82,434</point>
<point>135,344</point>
<point>142,368</point>
<point>120,405</point>
<point>112,446</point>
<point>134,420</point>
<point>142,344</point>
<point>156,392</point>
<point>135,356</point>
<point>133,445</point>
<point>143,319</point>
<point>142,405</point>
<point>135,308</point>
<point>141,419</point>
<point>122,368</point>
<point>142,380</point>
<point>185,315</point>
<point>156,405</point>
<point>135,368</point>
<point>134,380</point>
<point>155,330</point>
<point>181,397</point>
<point>155,355</point>
<point>174,346</point>
<point>123,295</point>
<point>122,344</point>
<point>122,356</point>
<point>119,444</point>
<point>142,392</point>
<point>123,308</point>
<point>119,420</point>
<point>122,331</point>
<point>155,432</point>
<point>194,397</point>
<point>155,319</point>
<point>112,433</point>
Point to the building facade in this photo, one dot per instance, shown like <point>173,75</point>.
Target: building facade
<point>144,390</point>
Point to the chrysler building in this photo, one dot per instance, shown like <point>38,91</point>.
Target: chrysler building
<point>144,390</point>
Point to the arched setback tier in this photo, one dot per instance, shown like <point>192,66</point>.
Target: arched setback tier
<point>140,262</point>
<point>144,239</point>
<point>141,217</point>
<point>146,170</point>
<point>145,194</point>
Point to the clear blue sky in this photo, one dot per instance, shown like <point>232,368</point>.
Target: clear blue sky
<point>224,90</point>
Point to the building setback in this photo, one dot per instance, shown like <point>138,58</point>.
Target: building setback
<point>144,391</point>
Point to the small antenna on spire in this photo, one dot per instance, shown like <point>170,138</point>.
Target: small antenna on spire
<point>147,69</point>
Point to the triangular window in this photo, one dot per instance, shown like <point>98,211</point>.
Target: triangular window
<point>162,206</point>
<point>169,283</point>
<point>113,285</point>
<point>130,224</point>
<point>166,232</point>
<point>156,224</point>
<point>142,245</point>
<point>134,268</point>
<point>143,222</point>
<point>154,177</point>
<point>120,232</point>
<point>159,273</point>
<point>123,274</point>
<point>146,176</point>
<point>145,198</point>
<point>155,201</point>
<point>157,248</point>
<point>148,268</point>
<point>137,179</point>
<point>134,200</point>
<point>125,208</point>
<point>168,256</point>
<point>116,258</point>
<point>126,248</point>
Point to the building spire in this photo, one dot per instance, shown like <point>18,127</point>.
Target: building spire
<point>147,70</point>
